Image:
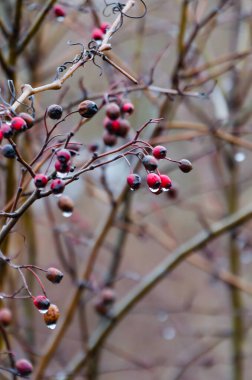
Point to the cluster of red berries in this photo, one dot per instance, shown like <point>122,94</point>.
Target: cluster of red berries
<point>98,33</point>
<point>157,182</point>
<point>115,122</point>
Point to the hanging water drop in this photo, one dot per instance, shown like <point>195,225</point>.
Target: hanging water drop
<point>51,326</point>
<point>61,175</point>
<point>67,214</point>
<point>60,18</point>
<point>154,190</point>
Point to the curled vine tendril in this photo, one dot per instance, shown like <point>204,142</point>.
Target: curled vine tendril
<point>77,58</point>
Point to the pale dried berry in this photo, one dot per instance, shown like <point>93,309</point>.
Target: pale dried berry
<point>6,130</point>
<point>18,124</point>
<point>27,118</point>
<point>153,181</point>
<point>185,166</point>
<point>66,204</point>
<point>108,296</point>
<point>40,181</point>
<point>54,275</point>
<point>113,111</point>
<point>166,182</point>
<point>109,139</point>
<point>51,316</point>
<point>24,367</point>
<point>63,155</point>
<point>87,109</point>
<point>104,27</point>
<point>127,108</point>
<point>8,151</point>
<point>97,34</point>
<point>54,111</point>
<point>42,303</point>
<point>123,129</point>
<point>57,186</point>
<point>159,152</point>
<point>5,317</point>
<point>62,167</point>
<point>150,163</point>
<point>59,11</point>
<point>134,181</point>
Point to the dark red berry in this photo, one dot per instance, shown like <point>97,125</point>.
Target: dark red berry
<point>62,167</point>
<point>27,118</point>
<point>150,163</point>
<point>63,155</point>
<point>123,129</point>
<point>185,166</point>
<point>104,27</point>
<point>108,296</point>
<point>113,111</point>
<point>134,181</point>
<point>1,135</point>
<point>93,147</point>
<point>5,317</point>
<point>97,34</point>
<point>173,192</point>
<point>166,182</point>
<point>59,11</point>
<point>112,126</point>
<point>8,151</point>
<point>42,303</point>
<point>159,152</point>
<point>40,181</point>
<point>6,131</point>
<point>51,316</point>
<point>127,108</point>
<point>87,109</point>
<point>24,367</point>
<point>109,139</point>
<point>54,275</point>
<point>153,181</point>
<point>100,307</point>
<point>18,124</point>
<point>57,186</point>
<point>54,111</point>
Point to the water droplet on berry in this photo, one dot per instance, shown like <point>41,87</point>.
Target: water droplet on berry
<point>132,189</point>
<point>169,333</point>
<point>61,175</point>
<point>43,311</point>
<point>239,157</point>
<point>67,214</point>
<point>60,18</point>
<point>58,195</point>
<point>51,326</point>
<point>153,190</point>
<point>164,189</point>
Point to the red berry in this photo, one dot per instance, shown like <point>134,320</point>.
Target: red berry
<point>134,181</point>
<point>159,152</point>
<point>62,167</point>
<point>185,166</point>
<point>127,108</point>
<point>24,367</point>
<point>63,155</point>
<point>6,131</point>
<point>104,27</point>
<point>42,303</point>
<point>40,181</point>
<point>150,163</point>
<point>109,139</point>
<point>57,186</point>
<point>166,182</point>
<point>18,124</point>
<point>27,118</point>
<point>1,135</point>
<point>153,181</point>
<point>113,111</point>
<point>112,126</point>
<point>54,275</point>
<point>59,11</point>
<point>97,34</point>
<point>123,129</point>
<point>5,317</point>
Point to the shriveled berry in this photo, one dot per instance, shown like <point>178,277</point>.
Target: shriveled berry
<point>62,167</point>
<point>150,163</point>
<point>185,166</point>
<point>24,367</point>
<point>6,131</point>
<point>59,11</point>
<point>54,275</point>
<point>27,118</point>
<point>127,108</point>
<point>134,181</point>
<point>104,27</point>
<point>18,124</point>
<point>113,111</point>
<point>54,111</point>
<point>40,181</point>
<point>42,303</point>
<point>123,129</point>
<point>66,204</point>
<point>51,316</point>
<point>57,186</point>
<point>109,139</point>
<point>159,152</point>
<point>87,109</point>
<point>166,182</point>
<point>153,181</point>
<point>8,151</point>
<point>5,316</point>
<point>63,155</point>
<point>97,34</point>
